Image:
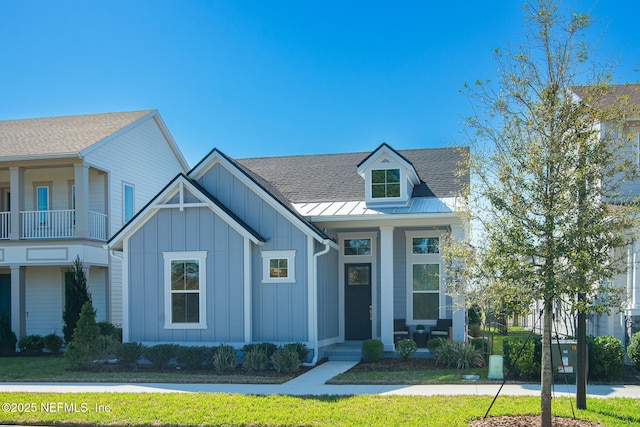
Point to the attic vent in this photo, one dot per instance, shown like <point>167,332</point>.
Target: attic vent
<point>386,161</point>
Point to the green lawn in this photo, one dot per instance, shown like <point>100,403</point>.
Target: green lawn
<point>427,376</point>
<point>55,369</point>
<point>228,409</point>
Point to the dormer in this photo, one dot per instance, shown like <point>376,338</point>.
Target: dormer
<point>389,178</point>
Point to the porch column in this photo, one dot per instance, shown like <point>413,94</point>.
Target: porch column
<point>81,182</point>
<point>16,176</point>
<point>459,307</point>
<point>634,292</point>
<point>386,287</point>
<point>18,315</point>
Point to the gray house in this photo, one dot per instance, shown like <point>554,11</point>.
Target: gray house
<point>319,249</point>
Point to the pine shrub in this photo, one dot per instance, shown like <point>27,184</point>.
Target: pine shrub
<point>225,359</point>
<point>84,348</point>
<point>372,350</point>
<point>76,295</point>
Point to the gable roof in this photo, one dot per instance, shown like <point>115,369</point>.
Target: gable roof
<point>385,148</point>
<point>69,136</point>
<point>169,190</point>
<point>628,94</point>
<point>334,177</point>
<point>259,183</point>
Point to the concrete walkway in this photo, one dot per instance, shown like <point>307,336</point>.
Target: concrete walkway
<point>313,383</point>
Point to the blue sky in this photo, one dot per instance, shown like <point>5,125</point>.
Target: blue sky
<point>265,78</point>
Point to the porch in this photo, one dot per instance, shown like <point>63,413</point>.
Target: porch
<point>53,224</point>
<point>352,351</point>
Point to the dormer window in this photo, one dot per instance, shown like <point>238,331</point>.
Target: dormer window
<point>385,183</point>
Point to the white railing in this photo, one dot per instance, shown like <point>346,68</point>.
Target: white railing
<point>60,224</point>
<point>5,224</point>
<point>97,226</point>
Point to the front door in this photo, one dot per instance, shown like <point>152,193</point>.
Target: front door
<point>357,302</point>
<point>5,295</point>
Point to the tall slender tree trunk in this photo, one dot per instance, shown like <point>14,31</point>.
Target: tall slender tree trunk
<point>581,371</point>
<point>547,369</point>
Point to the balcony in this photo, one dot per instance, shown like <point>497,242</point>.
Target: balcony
<point>58,224</point>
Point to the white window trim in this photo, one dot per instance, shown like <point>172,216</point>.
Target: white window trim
<point>422,259</point>
<point>201,256</point>
<point>290,256</point>
<point>124,202</point>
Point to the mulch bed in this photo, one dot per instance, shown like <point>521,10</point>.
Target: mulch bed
<point>528,421</point>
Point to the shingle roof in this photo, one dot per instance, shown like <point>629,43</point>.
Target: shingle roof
<point>334,177</point>
<point>627,93</point>
<point>60,135</point>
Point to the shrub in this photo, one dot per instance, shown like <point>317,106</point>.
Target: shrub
<point>444,353</point>
<point>8,338</point>
<point>371,350</point>
<point>32,344</point>
<point>482,345</point>
<point>466,355</point>
<point>633,351</point>
<point>129,353</point>
<point>225,359</point>
<point>267,347</point>
<point>528,364</point>
<point>75,295</point>
<point>255,360</point>
<point>109,347</point>
<point>84,348</point>
<point>53,343</point>
<point>606,357</point>
<point>161,354</point>
<point>286,359</point>
<point>434,343</point>
<point>198,357</point>
<point>299,348</point>
<point>405,348</point>
<point>106,328</point>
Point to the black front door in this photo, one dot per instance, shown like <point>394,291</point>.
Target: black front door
<point>5,295</point>
<point>357,302</point>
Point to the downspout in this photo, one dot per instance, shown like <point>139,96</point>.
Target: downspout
<point>314,289</point>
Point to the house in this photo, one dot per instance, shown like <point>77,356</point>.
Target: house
<point>66,185</point>
<point>319,249</point>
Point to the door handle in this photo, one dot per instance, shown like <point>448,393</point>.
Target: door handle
<point>370,312</point>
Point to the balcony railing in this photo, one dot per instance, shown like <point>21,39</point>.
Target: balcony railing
<point>60,224</point>
<point>5,225</point>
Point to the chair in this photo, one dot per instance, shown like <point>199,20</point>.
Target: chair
<point>400,330</point>
<point>442,329</point>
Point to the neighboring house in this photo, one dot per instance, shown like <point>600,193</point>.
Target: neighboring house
<point>66,184</point>
<point>319,249</point>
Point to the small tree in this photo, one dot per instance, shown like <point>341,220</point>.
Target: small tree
<point>76,295</point>
<point>84,348</point>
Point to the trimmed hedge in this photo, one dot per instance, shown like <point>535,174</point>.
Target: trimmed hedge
<point>372,350</point>
<point>606,357</point>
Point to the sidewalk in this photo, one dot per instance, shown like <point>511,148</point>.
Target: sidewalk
<point>313,383</point>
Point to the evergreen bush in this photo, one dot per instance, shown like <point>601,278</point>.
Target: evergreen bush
<point>76,295</point>
<point>529,364</point>
<point>633,351</point>
<point>129,353</point>
<point>371,350</point>
<point>84,348</point>
<point>225,359</point>
<point>286,359</point>
<point>606,357</point>
<point>53,343</point>
<point>299,348</point>
<point>405,348</point>
<point>195,357</point>
<point>31,344</point>
<point>161,355</point>
<point>267,347</point>
<point>434,343</point>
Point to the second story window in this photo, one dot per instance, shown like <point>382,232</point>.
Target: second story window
<point>385,183</point>
<point>127,202</point>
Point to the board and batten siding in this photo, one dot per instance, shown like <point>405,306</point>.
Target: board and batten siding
<point>194,229</point>
<point>328,295</point>
<point>279,310</point>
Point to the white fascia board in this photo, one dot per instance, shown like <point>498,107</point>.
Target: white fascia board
<point>413,175</point>
<point>381,217</point>
<point>204,166</point>
<point>117,133</point>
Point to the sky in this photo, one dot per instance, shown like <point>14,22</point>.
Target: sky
<point>272,77</point>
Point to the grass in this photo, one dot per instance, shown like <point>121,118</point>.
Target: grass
<point>408,377</point>
<point>55,369</point>
<point>108,409</point>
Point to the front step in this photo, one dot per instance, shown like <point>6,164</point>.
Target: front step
<point>344,353</point>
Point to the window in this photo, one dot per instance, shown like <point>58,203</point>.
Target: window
<point>357,247</point>
<point>424,270</point>
<point>127,202</point>
<point>426,291</point>
<point>385,183</point>
<point>42,202</point>
<point>185,289</point>
<point>278,266</point>
<point>425,245</point>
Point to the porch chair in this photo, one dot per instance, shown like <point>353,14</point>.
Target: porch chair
<point>442,329</point>
<point>400,330</point>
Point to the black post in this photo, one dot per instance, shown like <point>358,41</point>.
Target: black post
<point>581,369</point>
